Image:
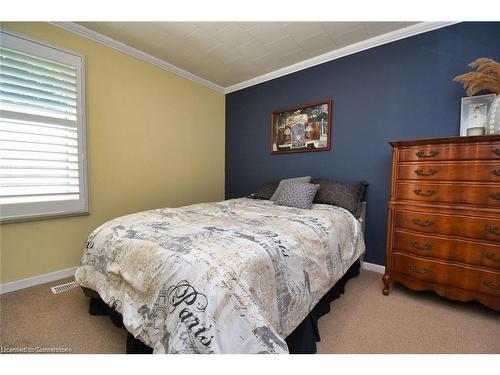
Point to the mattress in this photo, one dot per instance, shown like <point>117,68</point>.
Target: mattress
<point>236,276</point>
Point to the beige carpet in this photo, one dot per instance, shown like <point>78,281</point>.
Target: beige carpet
<point>361,321</point>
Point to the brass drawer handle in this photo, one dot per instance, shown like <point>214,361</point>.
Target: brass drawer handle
<point>491,284</point>
<point>421,154</point>
<point>492,256</point>
<point>428,193</point>
<point>496,151</point>
<point>417,246</point>
<point>425,223</point>
<point>495,172</point>
<point>493,230</point>
<point>413,268</point>
<point>495,196</point>
<point>420,172</point>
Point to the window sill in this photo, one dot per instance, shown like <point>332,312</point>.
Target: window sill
<point>43,217</point>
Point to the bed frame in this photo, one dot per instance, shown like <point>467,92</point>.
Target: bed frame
<point>362,220</point>
<point>301,341</point>
<point>362,217</point>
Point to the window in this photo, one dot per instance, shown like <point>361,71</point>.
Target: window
<point>43,170</point>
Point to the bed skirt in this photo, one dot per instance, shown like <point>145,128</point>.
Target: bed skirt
<point>301,341</point>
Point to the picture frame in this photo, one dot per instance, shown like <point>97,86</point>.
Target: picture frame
<point>302,128</point>
<point>473,114</point>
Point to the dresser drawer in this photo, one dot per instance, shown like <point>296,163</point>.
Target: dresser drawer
<point>476,151</point>
<point>484,195</point>
<point>479,171</point>
<point>469,252</point>
<point>454,225</point>
<point>467,278</point>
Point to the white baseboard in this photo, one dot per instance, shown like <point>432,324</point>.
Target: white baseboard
<point>373,267</point>
<point>37,280</point>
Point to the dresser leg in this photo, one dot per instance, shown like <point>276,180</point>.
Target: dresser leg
<point>387,284</point>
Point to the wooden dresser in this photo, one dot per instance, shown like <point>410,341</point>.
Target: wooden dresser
<point>444,218</point>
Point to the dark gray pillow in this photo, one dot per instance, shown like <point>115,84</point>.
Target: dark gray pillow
<point>297,194</point>
<point>266,191</point>
<point>283,182</point>
<point>348,196</point>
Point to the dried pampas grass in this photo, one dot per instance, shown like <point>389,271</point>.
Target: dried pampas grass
<point>486,77</point>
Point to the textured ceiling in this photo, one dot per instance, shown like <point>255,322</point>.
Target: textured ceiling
<point>227,53</point>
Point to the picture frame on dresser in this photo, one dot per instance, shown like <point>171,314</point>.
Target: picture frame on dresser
<point>473,114</point>
<point>443,229</point>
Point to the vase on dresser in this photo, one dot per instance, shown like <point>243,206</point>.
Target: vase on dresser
<point>444,218</point>
<point>493,119</point>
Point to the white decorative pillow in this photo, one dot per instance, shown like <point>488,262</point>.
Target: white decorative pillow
<point>297,194</point>
<point>284,182</point>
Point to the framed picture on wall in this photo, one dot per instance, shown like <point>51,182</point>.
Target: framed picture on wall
<point>474,111</point>
<point>302,128</point>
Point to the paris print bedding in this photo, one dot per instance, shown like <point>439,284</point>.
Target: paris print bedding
<point>236,276</point>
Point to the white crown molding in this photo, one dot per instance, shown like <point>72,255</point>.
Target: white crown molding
<point>392,36</point>
<point>373,267</point>
<point>37,280</point>
<point>122,47</point>
<point>379,40</point>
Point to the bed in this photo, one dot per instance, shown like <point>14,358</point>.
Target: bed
<point>237,276</point>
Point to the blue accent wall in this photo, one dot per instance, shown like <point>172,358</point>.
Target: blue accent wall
<point>402,90</point>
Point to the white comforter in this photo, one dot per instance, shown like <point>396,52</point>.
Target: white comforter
<point>236,276</point>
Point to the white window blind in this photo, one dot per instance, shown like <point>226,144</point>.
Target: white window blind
<point>42,130</point>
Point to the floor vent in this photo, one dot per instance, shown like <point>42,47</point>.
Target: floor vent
<point>63,287</point>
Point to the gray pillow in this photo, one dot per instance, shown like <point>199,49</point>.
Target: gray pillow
<point>297,194</point>
<point>266,191</point>
<point>284,182</point>
<point>348,196</point>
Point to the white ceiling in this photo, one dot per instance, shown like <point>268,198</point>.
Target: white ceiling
<point>228,53</point>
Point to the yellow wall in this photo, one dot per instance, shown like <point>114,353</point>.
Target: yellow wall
<point>155,139</point>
